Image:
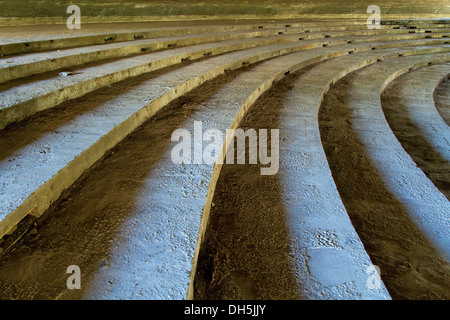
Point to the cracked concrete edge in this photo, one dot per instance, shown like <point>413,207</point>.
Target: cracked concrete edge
<point>251,100</point>
<point>27,108</point>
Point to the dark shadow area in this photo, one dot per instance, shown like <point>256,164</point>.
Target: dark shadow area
<point>83,224</point>
<point>435,167</point>
<point>246,249</point>
<point>410,267</point>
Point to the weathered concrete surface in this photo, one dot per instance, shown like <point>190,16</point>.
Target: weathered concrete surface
<point>314,284</point>
<point>399,214</point>
<point>116,239</point>
<point>18,41</point>
<point>36,201</point>
<point>22,66</point>
<point>163,272</point>
<point>126,31</point>
<point>21,101</point>
<point>321,240</point>
<point>442,100</point>
<point>409,109</point>
<point>18,104</point>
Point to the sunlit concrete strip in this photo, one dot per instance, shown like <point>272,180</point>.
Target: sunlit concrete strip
<point>26,65</point>
<point>26,39</point>
<point>410,110</point>
<point>415,90</point>
<point>22,101</point>
<point>303,166</point>
<point>426,206</point>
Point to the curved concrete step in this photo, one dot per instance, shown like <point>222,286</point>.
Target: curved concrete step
<point>308,224</point>
<point>164,89</point>
<point>221,109</point>
<point>442,100</point>
<point>400,216</point>
<point>26,65</point>
<point>65,172</point>
<point>18,104</point>
<point>25,39</point>
<point>15,43</point>
<point>199,73</point>
<point>409,108</point>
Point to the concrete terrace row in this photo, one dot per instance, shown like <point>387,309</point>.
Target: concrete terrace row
<point>15,109</point>
<point>112,94</point>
